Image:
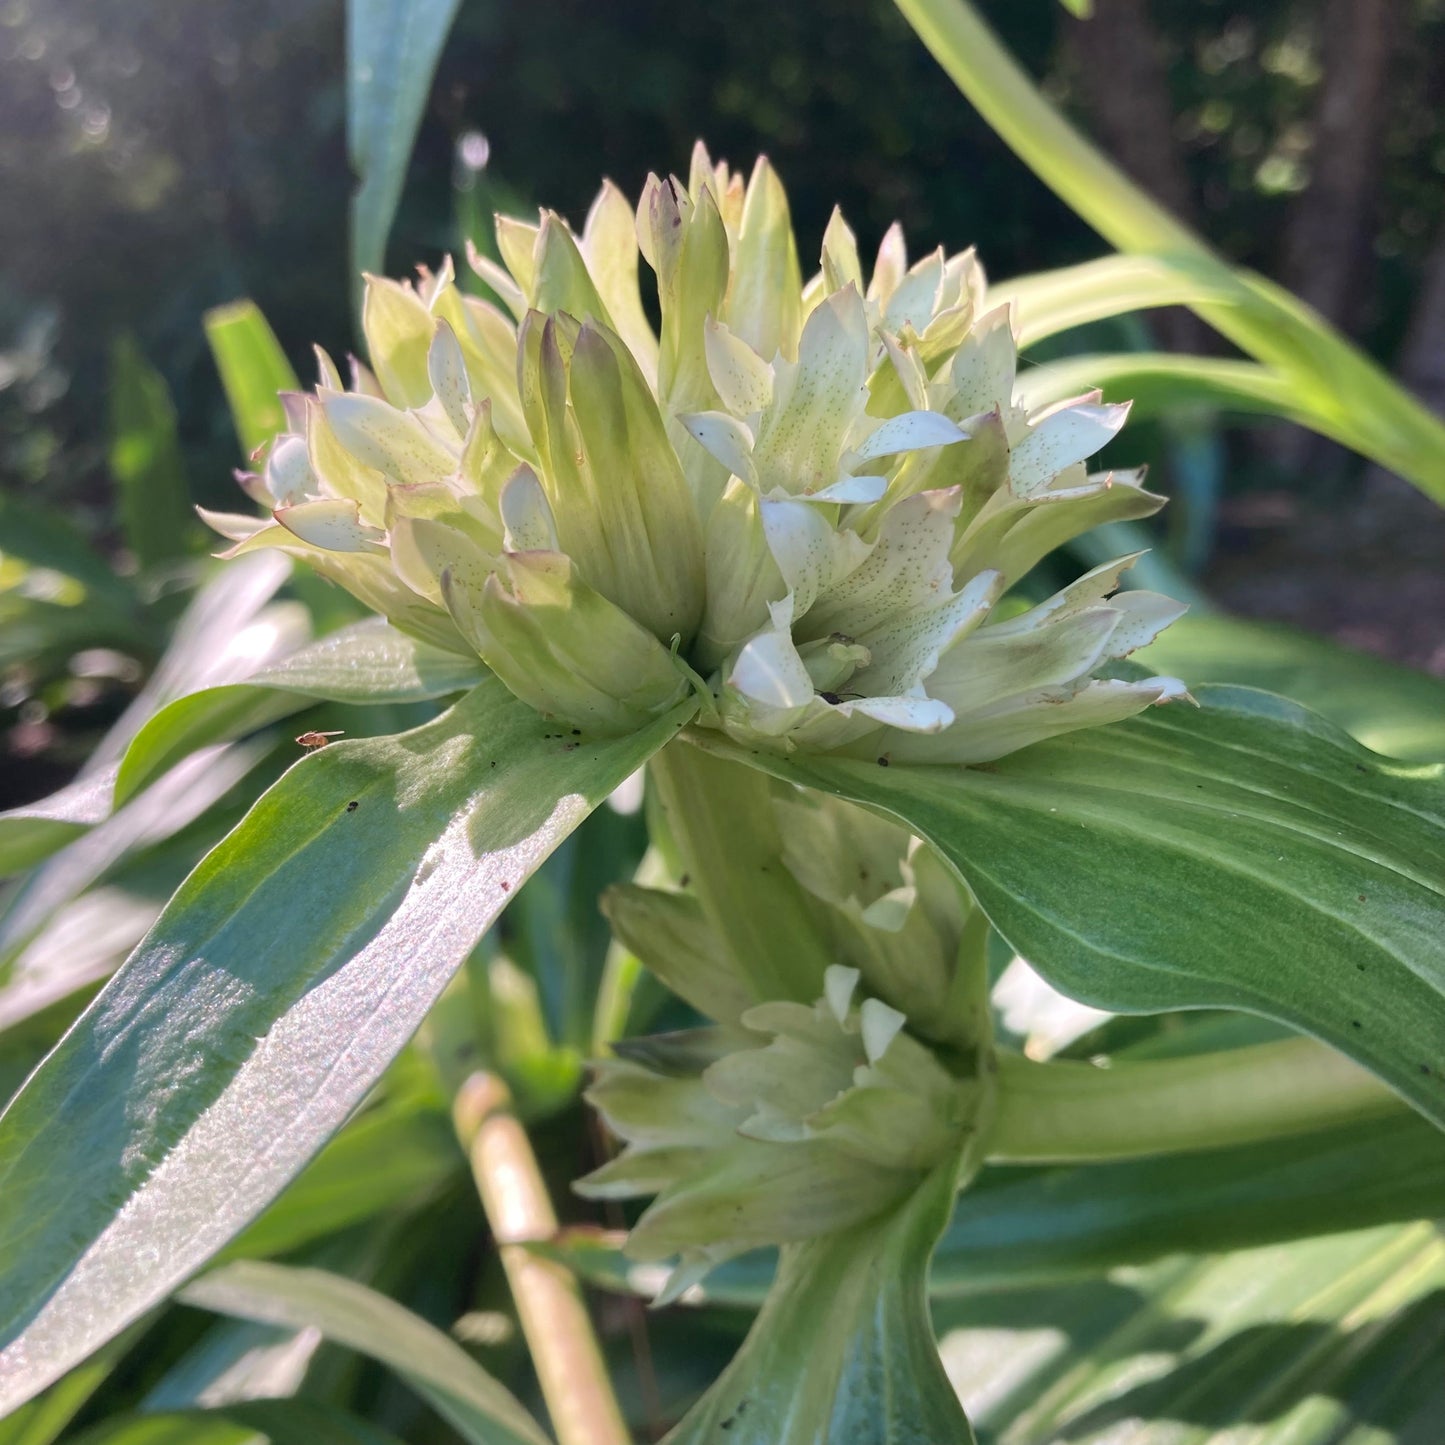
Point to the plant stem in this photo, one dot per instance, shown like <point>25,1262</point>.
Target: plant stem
<point>1075,1112</point>
<point>559,1334</point>
<point>721,817</point>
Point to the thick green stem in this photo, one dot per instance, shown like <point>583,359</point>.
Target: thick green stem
<point>720,817</point>
<point>1075,1112</point>
<point>559,1334</point>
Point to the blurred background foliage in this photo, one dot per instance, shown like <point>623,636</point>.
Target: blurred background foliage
<point>160,159</point>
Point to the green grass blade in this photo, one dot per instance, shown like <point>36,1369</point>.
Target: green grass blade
<point>392,49</point>
<point>253,370</point>
<point>350,1314</point>
<point>1345,392</point>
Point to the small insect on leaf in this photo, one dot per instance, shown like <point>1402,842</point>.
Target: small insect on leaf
<point>317,740</point>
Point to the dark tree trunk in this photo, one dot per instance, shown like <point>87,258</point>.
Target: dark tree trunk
<point>1327,256</point>
<point>1119,59</point>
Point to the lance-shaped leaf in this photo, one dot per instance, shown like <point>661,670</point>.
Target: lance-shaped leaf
<point>391,51</point>
<point>1246,855</point>
<point>369,662</point>
<point>843,1348</point>
<point>244,1422</point>
<point>281,980</point>
<point>1331,1341</point>
<point>32,832</point>
<point>253,370</point>
<point>350,1314</point>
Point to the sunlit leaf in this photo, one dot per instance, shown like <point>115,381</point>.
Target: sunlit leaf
<point>280,981</point>
<point>368,663</point>
<point>392,48</point>
<point>1331,1341</point>
<point>1344,394</point>
<point>33,832</point>
<point>350,1314</point>
<point>1389,708</point>
<point>253,370</point>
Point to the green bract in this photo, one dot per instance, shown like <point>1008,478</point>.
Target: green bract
<point>802,500</point>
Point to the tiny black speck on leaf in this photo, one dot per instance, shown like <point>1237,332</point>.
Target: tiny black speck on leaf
<point>883,762</point>
<point>506,887</point>
<point>352,806</point>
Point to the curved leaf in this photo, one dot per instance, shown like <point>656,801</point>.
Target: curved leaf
<point>30,834</point>
<point>1245,855</point>
<point>1346,394</point>
<point>280,981</point>
<point>350,1314</point>
<point>178,799</point>
<point>392,48</point>
<point>1389,708</point>
<point>1048,302</point>
<point>369,662</point>
<point>253,370</point>
<point>1160,381</point>
<point>281,1422</point>
<point>1332,1341</point>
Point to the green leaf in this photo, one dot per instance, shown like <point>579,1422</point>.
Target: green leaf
<point>244,1422</point>
<point>231,627</point>
<point>1160,382</point>
<point>177,800</point>
<point>47,538</point>
<point>392,48</point>
<point>1023,1226</point>
<point>79,946</point>
<point>1332,1341</point>
<point>1389,708</point>
<point>394,1155</point>
<point>280,981</point>
<point>145,458</point>
<point>1245,855</point>
<point>843,1348</point>
<point>350,1314</point>
<point>1049,302</point>
<point>44,1419</point>
<point>369,662</point>
<point>30,834</point>
<point>1344,393</point>
<point>253,370</point>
